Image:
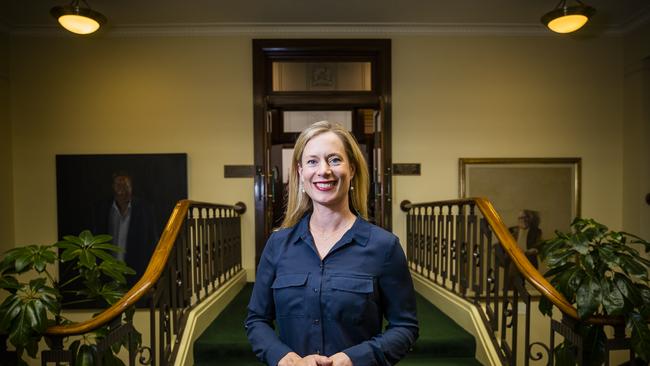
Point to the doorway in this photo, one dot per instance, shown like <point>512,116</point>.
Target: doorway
<point>299,82</point>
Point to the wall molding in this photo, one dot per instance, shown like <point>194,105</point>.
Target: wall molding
<point>301,29</point>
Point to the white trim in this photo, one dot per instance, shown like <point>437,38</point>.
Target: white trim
<point>204,314</point>
<point>462,312</point>
<point>295,29</point>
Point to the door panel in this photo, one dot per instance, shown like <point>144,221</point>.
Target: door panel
<point>325,64</point>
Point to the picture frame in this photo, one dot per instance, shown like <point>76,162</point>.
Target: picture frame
<point>543,192</point>
<point>86,200</point>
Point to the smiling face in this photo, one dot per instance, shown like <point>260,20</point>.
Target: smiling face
<point>325,171</point>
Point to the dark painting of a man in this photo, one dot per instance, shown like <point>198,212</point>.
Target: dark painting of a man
<point>130,221</point>
<point>127,196</point>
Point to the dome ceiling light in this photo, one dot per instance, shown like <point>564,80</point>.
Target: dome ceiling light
<point>78,19</point>
<point>567,19</point>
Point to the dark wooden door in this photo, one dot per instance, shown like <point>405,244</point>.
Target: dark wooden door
<point>321,90</point>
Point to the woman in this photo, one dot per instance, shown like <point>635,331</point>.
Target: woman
<point>328,277</point>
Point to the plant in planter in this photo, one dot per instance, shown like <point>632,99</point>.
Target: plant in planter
<point>602,274</point>
<point>33,306</point>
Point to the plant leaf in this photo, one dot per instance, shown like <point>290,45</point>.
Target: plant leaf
<point>562,282</point>
<point>580,244</point>
<point>545,306</point>
<point>110,294</point>
<point>9,310</point>
<point>21,330</point>
<point>640,335</point>
<point>70,254</point>
<point>32,347</point>
<point>106,246</point>
<point>594,345</point>
<point>613,300</point>
<point>632,267</point>
<point>73,239</point>
<point>9,283</point>
<point>559,258</point>
<point>588,297</point>
<point>87,259</point>
<point>645,295</point>
<point>608,256</point>
<point>628,289</point>
<point>67,245</point>
<point>85,356</point>
<point>103,255</point>
<point>86,238</point>
<point>102,238</point>
<point>551,245</point>
<point>556,270</point>
<point>112,272</point>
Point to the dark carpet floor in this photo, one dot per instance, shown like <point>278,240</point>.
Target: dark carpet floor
<point>442,342</point>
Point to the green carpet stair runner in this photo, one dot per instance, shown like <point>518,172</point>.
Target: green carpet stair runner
<point>442,342</point>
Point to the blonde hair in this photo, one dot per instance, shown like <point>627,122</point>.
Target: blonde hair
<point>298,202</point>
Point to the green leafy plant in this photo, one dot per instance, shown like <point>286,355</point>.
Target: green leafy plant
<point>31,307</point>
<point>600,272</point>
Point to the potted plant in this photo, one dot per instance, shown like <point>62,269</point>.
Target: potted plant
<point>34,305</point>
<point>600,272</point>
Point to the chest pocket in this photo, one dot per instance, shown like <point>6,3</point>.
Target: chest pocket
<point>349,299</point>
<point>289,294</point>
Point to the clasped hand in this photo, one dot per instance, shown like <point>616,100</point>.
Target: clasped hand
<point>292,359</point>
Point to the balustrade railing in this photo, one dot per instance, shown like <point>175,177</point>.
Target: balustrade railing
<point>464,247</point>
<point>199,250</point>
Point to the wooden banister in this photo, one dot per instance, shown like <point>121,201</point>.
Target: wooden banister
<point>149,278</point>
<point>528,271</point>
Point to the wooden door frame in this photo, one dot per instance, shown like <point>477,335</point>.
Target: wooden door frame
<point>266,50</point>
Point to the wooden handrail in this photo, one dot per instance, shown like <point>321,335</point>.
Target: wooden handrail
<point>527,270</point>
<point>149,278</point>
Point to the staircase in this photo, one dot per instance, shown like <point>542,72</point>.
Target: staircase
<point>442,342</point>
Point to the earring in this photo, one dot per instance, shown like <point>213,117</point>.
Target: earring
<point>351,187</point>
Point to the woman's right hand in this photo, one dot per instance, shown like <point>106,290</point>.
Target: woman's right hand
<point>292,359</point>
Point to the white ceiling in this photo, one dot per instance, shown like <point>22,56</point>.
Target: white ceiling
<point>611,14</point>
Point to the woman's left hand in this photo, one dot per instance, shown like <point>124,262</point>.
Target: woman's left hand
<point>341,359</point>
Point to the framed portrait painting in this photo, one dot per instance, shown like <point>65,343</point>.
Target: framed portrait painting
<point>534,196</point>
<point>127,196</point>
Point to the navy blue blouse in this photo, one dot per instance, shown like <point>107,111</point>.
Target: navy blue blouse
<point>337,304</point>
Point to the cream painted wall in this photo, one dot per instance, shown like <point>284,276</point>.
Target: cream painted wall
<point>453,96</point>
<point>636,143</point>
<point>6,170</point>
<point>462,96</point>
<point>130,95</point>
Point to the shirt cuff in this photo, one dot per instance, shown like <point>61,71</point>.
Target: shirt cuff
<point>276,353</point>
<point>362,355</point>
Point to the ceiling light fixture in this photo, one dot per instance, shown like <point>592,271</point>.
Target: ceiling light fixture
<point>77,19</point>
<point>567,19</point>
